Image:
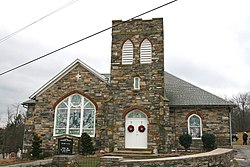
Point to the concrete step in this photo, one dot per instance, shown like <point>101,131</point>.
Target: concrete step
<point>134,151</point>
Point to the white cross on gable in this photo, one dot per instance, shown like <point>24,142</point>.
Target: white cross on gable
<point>78,76</point>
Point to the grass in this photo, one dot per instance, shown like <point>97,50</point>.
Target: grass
<point>88,161</point>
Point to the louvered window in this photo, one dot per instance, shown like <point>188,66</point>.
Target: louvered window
<point>127,52</point>
<point>146,52</point>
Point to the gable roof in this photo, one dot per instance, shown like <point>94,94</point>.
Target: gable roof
<point>64,72</point>
<point>182,93</point>
<point>178,92</point>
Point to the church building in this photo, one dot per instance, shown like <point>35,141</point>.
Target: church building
<point>137,106</point>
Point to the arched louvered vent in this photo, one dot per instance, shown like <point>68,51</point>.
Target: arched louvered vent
<point>127,52</point>
<point>146,52</point>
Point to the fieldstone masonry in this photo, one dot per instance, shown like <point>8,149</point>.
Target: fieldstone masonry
<point>214,120</point>
<point>149,97</point>
<point>115,96</point>
<point>41,117</point>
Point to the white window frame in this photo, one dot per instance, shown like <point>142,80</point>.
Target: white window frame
<point>200,126</point>
<point>83,107</point>
<point>137,83</point>
<point>127,52</point>
<point>146,52</point>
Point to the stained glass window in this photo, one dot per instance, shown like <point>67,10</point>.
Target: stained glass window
<point>195,126</point>
<point>75,115</point>
<point>136,114</point>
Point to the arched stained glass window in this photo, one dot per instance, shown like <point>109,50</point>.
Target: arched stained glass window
<point>127,52</point>
<point>75,115</point>
<point>146,52</point>
<point>195,126</point>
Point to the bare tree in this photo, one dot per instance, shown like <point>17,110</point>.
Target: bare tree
<point>241,113</point>
<point>12,135</point>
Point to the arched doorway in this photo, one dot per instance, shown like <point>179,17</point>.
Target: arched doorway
<point>136,129</point>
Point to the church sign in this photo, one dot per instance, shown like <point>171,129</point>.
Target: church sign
<point>65,145</point>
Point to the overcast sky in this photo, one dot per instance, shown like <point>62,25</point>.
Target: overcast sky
<point>207,42</point>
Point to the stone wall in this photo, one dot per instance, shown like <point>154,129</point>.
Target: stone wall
<point>217,158</point>
<point>150,97</point>
<point>214,120</point>
<point>40,118</point>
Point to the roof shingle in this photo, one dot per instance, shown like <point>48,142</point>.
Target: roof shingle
<point>182,93</point>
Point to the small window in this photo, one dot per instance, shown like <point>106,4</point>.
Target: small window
<point>127,52</point>
<point>136,83</point>
<point>146,52</point>
<point>195,126</point>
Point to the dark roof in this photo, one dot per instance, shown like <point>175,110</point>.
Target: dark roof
<point>182,93</point>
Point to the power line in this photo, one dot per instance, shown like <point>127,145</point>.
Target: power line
<point>21,29</point>
<point>31,61</point>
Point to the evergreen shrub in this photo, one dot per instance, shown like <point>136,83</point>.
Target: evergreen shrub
<point>185,140</point>
<point>209,142</point>
<point>86,145</point>
<point>36,147</point>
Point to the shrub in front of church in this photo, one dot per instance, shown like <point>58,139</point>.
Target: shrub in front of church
<point>209,142</point>
<point>86,145</point>
<point>185,140</point>
<point>36,147</point>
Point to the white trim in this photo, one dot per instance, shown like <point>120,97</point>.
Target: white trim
<point>197,126</point>
<point>64,72</point>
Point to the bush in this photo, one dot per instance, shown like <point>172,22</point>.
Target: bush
<point>36,144</point>
<point>185,140</point>
<point>86,145</point>
<point>209,142</point>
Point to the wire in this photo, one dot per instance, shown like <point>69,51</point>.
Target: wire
<point>21,29</point>
<point>12,69</point>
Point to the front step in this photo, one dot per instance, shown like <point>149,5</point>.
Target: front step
<point>134,151</point>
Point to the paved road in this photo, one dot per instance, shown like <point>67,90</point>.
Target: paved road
<point>243,155</point>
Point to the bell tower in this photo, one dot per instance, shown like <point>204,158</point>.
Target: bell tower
<point>137,76</point>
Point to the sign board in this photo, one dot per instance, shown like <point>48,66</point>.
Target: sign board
<point>65,145</point>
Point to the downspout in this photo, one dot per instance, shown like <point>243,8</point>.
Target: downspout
<point>230,125</point>
<point>175,143</point>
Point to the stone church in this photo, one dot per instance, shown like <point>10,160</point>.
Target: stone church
<point>137,106</point>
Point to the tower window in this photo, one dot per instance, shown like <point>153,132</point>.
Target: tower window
<point>127,52</point>
<point>146,52</point>
<point>136,83</point>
